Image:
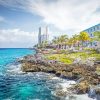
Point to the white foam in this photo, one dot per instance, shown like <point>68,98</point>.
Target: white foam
<point>65,84</point>
<point>15,69</point>
<point>79,97</point>
<point>54,78</point>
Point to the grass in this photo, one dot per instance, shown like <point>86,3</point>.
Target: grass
<point>68,58</point>
<point>60,57</point>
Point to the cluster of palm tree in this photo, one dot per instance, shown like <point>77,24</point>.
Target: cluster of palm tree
<point>60,41</point>
<point>74,41</point>
<point>43,44</point>
<point>77,40</point>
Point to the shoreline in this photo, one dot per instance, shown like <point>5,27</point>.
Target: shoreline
<point>37,63</point>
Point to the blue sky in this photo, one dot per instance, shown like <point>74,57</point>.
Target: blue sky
<point>20,19</point>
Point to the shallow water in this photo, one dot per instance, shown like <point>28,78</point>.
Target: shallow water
<point>16,85</point>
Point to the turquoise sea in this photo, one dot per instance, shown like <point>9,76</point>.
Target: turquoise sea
<point>19,86</point>
<point>16,85</point>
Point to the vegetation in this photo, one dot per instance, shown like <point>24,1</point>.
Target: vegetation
<point>75,40</point>
<point>68,58</point>
<point>62,40</point>
<point>60,57</point>
<point>84,37</point>
<point>97,35</point>
<point>43,44</point>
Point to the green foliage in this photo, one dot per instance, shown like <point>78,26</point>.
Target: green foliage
<point>66,60</point>
<point>61,58</point>
<point>84,36</point>
<point>69,58</point>
<point>43,44</point>
<point>60,39</point>
<point>51,57</point>
<point>97,35</point>
<point>75,38</point>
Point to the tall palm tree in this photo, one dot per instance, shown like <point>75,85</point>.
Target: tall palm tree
<point>59,41</point>
<point>83,37</point>
<point>76,40</point>
<point>62,40</point>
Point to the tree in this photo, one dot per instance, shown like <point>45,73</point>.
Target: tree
<point>54,41</point>
<point>61,40</point>
<point>97,35</point>
<point>75,39</point>
<point>70,42</point>
<point>83,37</point>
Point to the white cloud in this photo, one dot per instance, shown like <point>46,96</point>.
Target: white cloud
<point>63,14</point>
<point>69,14</point>
<point>16,38</point>
<point>66,15</point>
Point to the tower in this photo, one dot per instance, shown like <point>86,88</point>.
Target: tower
<point>46,33</point>
<point>39,36</point>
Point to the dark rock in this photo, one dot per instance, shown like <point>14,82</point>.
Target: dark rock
<point>58,74</point>
<point>82,87</point>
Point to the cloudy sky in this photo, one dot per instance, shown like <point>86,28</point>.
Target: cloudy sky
<point>20,19</point>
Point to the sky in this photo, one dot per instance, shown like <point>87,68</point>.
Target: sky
<point>20,19</point>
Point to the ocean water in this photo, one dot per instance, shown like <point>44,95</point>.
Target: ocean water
<point>16,85</point>
<point>9,56</point>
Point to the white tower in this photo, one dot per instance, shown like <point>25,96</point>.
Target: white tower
<point>39,36</point>
<point>47,36</point>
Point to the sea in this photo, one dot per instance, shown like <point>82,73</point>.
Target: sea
<point>17,85</point>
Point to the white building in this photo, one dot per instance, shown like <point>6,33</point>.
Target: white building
<point>43,35</point>
<point>90,31</point>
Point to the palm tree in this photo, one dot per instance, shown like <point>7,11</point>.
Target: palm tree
<point>59,41</point>
<point>75,39</point>
<point>62,40</point>
<point>70,42</point>
<point>83,37</point>
<point>56,41</point>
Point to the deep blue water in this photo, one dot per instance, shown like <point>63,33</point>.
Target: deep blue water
<point>15,86</point>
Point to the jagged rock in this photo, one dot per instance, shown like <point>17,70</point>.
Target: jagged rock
<point>82,87</point>
<point>97,91</point>
<point>86,75</point>
<point>94,92</point>
<point>29,67</point>
<point>60,93</point>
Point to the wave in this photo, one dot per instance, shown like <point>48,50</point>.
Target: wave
<point>62,91</point>
<point>14,69</point>
<point>54,84</point>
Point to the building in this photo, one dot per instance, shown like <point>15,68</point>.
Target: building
<point>92,29</point>
<point>43,35</point>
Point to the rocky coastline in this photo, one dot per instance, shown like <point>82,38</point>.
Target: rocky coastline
<point>84,75</point>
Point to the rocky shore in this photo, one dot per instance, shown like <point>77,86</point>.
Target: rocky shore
<point>84,75</point>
